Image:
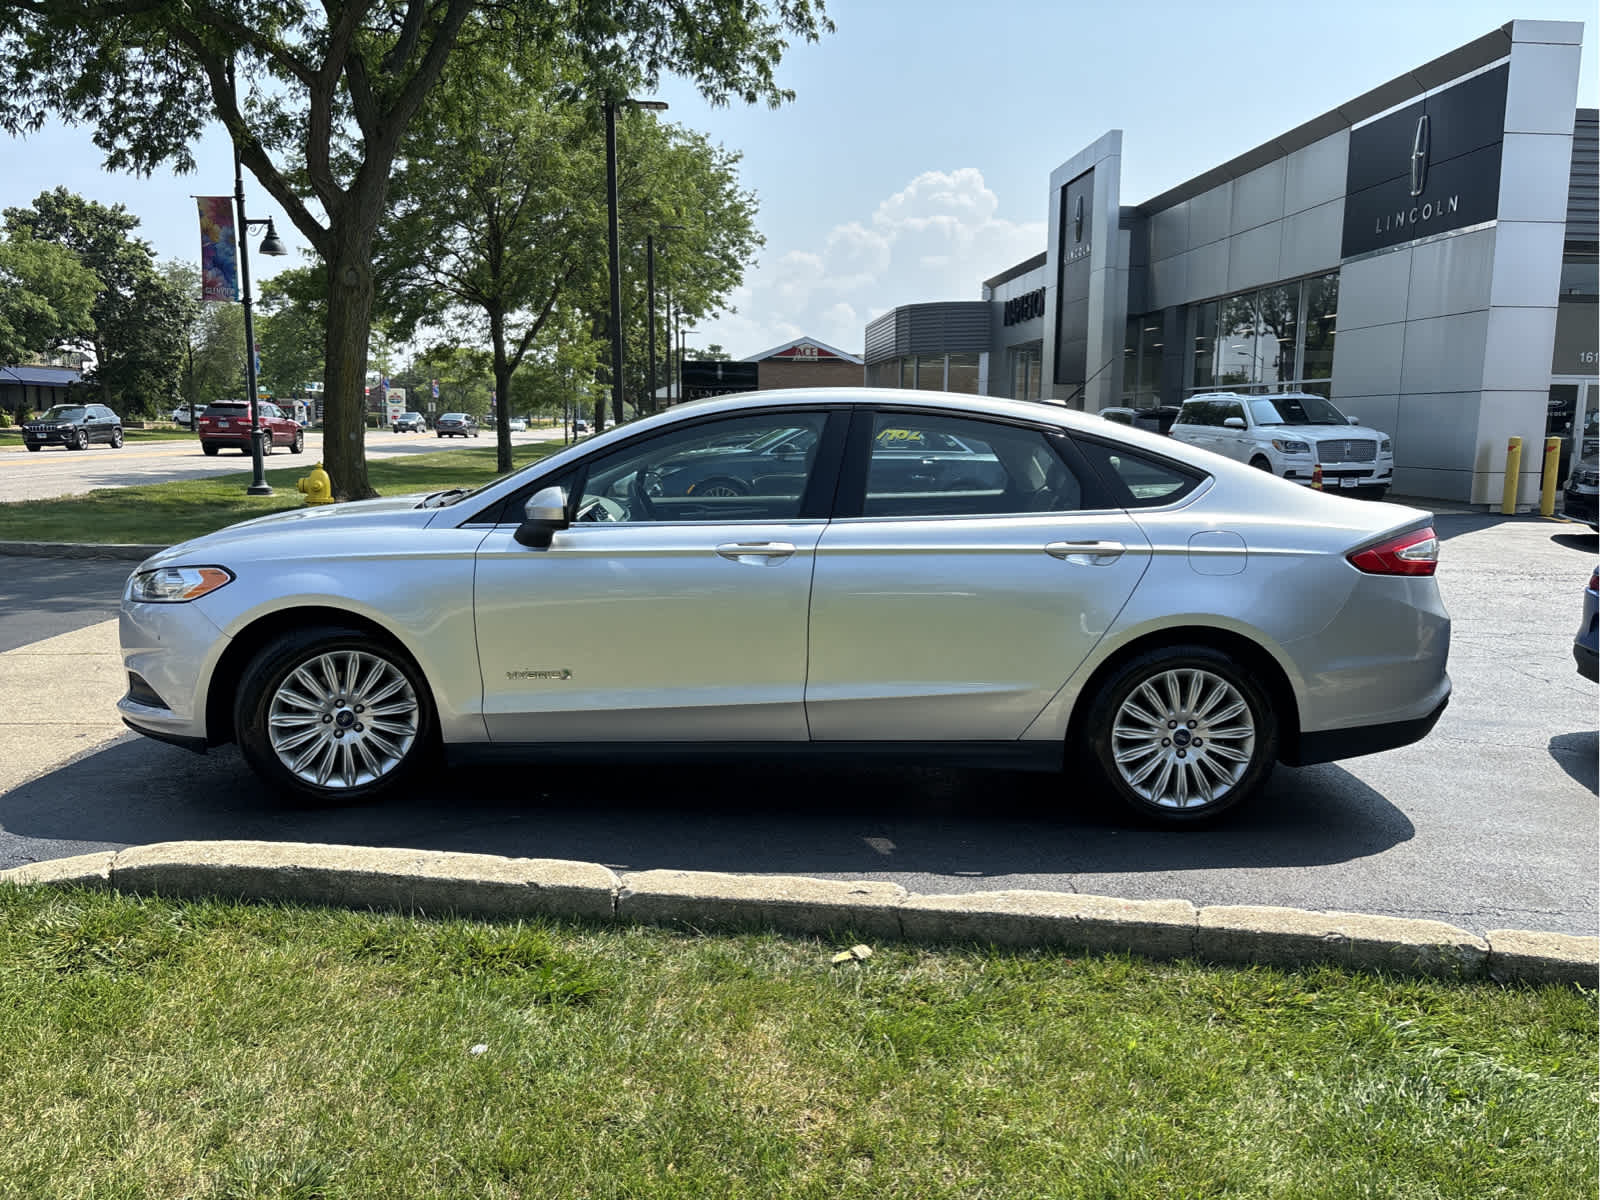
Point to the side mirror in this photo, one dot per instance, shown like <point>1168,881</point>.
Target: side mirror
<point>1355,420</point>
<point>543,514</point>
<point>1234,423</point>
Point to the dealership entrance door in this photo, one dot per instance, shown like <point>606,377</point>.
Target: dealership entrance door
<point>1574,405</point>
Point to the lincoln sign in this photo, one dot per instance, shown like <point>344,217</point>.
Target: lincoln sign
<point>1428,168</point>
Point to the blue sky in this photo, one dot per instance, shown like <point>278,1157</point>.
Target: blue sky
<point>915,159</point>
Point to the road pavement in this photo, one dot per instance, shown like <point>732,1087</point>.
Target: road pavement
<point>1490,822</point>
<point>49,473</point>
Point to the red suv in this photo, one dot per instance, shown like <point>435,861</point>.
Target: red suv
<point>227,423</point>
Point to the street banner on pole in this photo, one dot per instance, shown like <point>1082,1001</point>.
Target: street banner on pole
<point>219,249</point>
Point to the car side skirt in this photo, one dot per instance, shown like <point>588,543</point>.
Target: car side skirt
<point>1334,744</point>
<point>1012,756</point>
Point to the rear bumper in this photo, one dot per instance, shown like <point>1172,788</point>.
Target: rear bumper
<point>1587,659</point>
<point>1579,506</point>
<point>1334,744</point>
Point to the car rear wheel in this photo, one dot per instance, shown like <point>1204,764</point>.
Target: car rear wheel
<point>1183,733</point>
<point>210,450</point>
<point>116,438</point>
<point>334,715</point>
<point>721,487</point>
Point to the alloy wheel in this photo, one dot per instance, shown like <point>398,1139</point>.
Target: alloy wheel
<point>1183,738</point>
<point>343,719</point>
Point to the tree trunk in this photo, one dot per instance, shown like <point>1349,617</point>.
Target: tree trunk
<point>502,392</point>
<point>344,428</point>
<point>101,360</point>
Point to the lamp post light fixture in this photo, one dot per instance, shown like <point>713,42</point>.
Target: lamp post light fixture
<point>616,253</point>
<point>273,246</point>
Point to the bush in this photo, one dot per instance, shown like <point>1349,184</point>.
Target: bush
<point>5,419</point>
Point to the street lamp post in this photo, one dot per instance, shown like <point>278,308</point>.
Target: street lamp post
<point>616,253</point>
<point>269,245</point>
<point>650,283</point>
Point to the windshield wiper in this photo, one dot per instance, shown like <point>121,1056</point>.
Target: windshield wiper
<point>437,499</point>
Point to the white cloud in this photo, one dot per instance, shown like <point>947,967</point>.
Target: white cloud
<point>937,238</point>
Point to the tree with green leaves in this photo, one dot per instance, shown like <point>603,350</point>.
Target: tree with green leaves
<point>46,297</point>
<point>317,99</point>
<point>137,321</point>
<point>499,224</point>
<point>212,365</point>
<point>291,329</point>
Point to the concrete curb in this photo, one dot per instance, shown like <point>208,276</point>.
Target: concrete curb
<point>126,550</point>
<point>489,885</point>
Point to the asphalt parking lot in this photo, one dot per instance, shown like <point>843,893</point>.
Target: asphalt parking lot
<point>1490,822</point>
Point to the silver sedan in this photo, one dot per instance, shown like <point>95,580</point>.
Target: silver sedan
<point>1094,596</point>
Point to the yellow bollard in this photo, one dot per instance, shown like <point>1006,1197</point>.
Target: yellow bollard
<point>316,487</point>
<point>1552,467</point>
<point>1508,499</point>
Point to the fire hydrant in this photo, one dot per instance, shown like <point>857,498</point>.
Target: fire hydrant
<point>317,487</point>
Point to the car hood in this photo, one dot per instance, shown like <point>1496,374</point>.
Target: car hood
<point>53,423</point>
<point>268,534</point>
<point>1329,433</point>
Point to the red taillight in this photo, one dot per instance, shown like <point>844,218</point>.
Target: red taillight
<point>1414,553</point>
<point>1594,581</point>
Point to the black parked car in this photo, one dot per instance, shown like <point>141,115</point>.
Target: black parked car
<point>456,425</point>
<point>75,426</point>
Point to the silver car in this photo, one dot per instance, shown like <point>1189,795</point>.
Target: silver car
<point>1173,620</point>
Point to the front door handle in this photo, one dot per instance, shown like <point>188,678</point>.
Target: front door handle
<point>756,553</point>
<point>1087,554</point>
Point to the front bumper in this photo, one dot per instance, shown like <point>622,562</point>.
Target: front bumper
<point>47,437</point>
<point>173,649</point>
<point>1579,506</point>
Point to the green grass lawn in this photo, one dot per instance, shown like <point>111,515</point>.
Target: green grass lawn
<point>219,1050</point>
<point>13,437</point>
<point>164,513</point>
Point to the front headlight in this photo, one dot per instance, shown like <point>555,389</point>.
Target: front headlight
<point>176,585</point>
<point>1386,446</point>
<point>1290,446</point>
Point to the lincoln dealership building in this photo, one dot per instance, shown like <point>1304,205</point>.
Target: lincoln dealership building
<point>1425,255</point>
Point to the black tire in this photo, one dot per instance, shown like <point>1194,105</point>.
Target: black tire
<point>1261,464</point>
<point>32,449</point>
<point>280,659</point>
<point>116,438</point>
<point>438,434</point>
<point>267,445</point>
<point>1217,761</point>
<point>81,440</point>
<point>299,443</point>
<point>209,449</point>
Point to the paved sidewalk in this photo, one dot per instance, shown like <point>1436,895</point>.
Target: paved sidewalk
<point>61,698</point>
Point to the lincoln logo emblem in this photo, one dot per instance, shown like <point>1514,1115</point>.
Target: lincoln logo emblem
<point>1419,157</point>
<point>1077,221</point>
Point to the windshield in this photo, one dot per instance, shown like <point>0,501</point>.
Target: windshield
<point>64,412</point>
<point>1296,410</point>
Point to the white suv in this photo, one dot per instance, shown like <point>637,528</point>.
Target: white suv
<point>1290,434</point>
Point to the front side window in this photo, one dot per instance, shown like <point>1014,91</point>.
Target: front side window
<point>938,466</point>
<point>1232,408</point>
<point>750,468</point>
<point>1296,410</point>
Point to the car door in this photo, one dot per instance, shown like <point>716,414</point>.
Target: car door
<point>657,615</point>
<point>1194,426</point>
<point>956,613</point>
<point>1235,443</point>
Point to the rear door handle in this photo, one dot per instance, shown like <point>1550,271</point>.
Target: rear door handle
<point>756,553</point>
<point>1087,554</point>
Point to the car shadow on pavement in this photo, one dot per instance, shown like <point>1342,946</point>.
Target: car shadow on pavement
<point>752,818</point>
<point>1578,754</point>
<point>1586,540</point>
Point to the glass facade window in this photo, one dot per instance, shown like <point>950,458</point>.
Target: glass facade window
<point>930,372</point>
<point>1024,364</point>
<point>1274,339</point>
<point>1143,346</point>
<point>963,373</point>
<point>1322,312</point>
<point>908,372</point>
<point>1203,343</point>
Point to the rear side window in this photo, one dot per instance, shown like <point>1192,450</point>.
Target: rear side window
<point>1138,480</point>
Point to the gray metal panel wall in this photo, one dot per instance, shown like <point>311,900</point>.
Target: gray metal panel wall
<point>1583,192</point>
<point>938,328</point>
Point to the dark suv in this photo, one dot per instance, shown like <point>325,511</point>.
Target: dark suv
<point>410,422</point>
<point>74,426</point>
<point>227,423</point>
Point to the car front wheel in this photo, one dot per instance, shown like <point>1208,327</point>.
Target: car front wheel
<point>81,441</point>
<point>1183,733</point>
<point>333,715</point>
<point>299,443</point>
